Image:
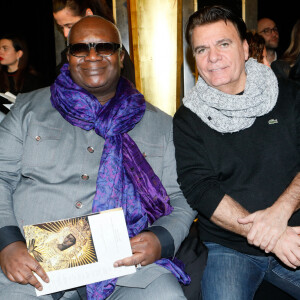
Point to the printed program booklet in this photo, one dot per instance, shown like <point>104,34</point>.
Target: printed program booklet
<point>6,101</point>
<point>81,250</point>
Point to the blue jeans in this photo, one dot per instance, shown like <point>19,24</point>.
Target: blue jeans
<point>231,275</point>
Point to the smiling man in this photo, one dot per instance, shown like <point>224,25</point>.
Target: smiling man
<point>90,63</point>
<point>67,12</point>
<point>90,143</point>
<point>237,140</point>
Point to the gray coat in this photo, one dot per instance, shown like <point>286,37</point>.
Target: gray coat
<point>48,172</point>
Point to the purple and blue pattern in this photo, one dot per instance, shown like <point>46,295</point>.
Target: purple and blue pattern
<point>125,179</point>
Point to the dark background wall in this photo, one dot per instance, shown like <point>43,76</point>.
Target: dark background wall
<point>285,15</point>
<point>33,21</point>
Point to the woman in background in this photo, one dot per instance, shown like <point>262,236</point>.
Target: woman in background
<point>257,47</point>
<point>16,76</point>
<point>282,67</point>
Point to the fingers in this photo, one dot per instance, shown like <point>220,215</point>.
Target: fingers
<point>130,261</point>
<point>249,219</point>
<point>272,243</point>
<point>10,277</point>
<point>25,276</point>
<point>270,246</point>
<point>19,266</point>
<point>287,262</point>
<point>37,268</point>
<point>291,260</point>
<point>294,257</point>
<point>146,249</point>
<point>253,237</point>
<point>287,248</point>
<point>136,258</point>
<point>266,229</point>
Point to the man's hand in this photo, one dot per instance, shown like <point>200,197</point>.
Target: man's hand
<point>287,248</point>
<point>146,249</point>
<point>267,227</point>
<point>18,265</point>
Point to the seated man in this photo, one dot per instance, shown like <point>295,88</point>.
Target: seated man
<point>90,143</point>
<point>237,140</point>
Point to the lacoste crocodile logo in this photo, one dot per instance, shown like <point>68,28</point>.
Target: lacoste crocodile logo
<point>272,121</point>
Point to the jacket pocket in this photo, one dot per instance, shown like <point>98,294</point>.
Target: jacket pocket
<point>41,145</point>
<point>153,153</point>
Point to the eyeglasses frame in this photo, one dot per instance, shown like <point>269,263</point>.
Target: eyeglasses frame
<point>93,45</point>
<point>274,29</point>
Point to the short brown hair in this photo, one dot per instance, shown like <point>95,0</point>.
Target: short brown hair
<point>212,14</point>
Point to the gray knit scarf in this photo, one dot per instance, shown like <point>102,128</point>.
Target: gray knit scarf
<point>227,113</point>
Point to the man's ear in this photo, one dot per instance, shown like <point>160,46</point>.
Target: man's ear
<point>88,12</point>
<point>246,49</point>
<point>122,56</point>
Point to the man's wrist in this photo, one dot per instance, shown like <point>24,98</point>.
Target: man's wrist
<point>290,199</point>
<point>284,206</point>
<point>165,239</point>
<point>10,234</point>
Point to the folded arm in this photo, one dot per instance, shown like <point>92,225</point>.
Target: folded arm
<point>269,224</point>
<point>202,189</point>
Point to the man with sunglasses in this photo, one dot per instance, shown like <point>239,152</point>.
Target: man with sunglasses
<point>269,31</point>
<point>90,143</point>
<point>68,12</point>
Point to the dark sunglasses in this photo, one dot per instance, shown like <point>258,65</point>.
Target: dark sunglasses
<point>102,49</point>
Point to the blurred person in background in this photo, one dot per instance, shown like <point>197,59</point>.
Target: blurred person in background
<point>257,47</point>
<point>269,31</point>
<point>295,71</point>
<point>16,75</point>
<point>282,67</point>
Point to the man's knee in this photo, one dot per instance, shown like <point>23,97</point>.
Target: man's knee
<point>21,294</point>
<point>231,275</point>
<point>165,287</point>
<point>15,291</point>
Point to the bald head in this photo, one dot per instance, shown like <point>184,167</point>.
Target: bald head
<point>90,22</point>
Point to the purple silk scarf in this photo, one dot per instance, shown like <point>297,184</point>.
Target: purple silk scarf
<point>125,179</point>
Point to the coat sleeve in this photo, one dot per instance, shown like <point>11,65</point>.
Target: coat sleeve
<point>176,224</point>
<point>196,176</point>
<point>10,163</point>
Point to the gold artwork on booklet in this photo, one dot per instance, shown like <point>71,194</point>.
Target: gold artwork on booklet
<point>61,244</point>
